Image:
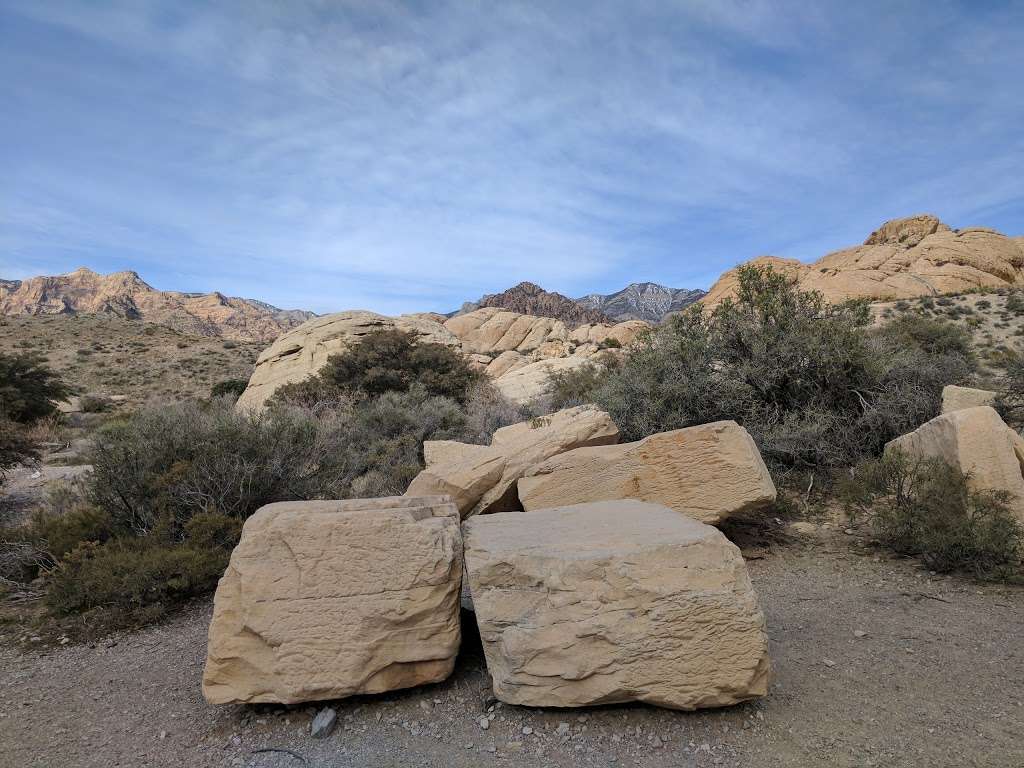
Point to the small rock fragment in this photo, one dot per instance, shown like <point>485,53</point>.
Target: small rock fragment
<point>323,724</point>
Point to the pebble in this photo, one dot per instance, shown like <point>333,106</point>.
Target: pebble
<point>859,633</point>
<point>527,730</point>
<point>484,723</point>
<point>323,724</point>
<point>828,662</point>
<point>562,729</point>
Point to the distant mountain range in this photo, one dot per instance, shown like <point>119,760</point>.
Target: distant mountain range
<point>642,301</point>
<point>637,301</point>
<point>127,295</point>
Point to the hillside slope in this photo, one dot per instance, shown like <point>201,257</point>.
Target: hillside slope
<point>126,295</point>
<point>530,299</point>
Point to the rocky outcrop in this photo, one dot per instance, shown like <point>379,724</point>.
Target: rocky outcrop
<point>530,299</point>
<point>903,258</point>
<point>328,599</point>
<point>304,351</point>
<point>611,602</point>
<point>470,473</point>
<point>126,295</point>
<point>650,302</point>
<point>516,351</point>
<point>956,398</point>
<point>708,472</point>
<point>976,442</point>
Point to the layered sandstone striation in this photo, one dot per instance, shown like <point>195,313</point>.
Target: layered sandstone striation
<point>904,258</point>
<point>612,602</point>
<point>707,472</point>
<point>328,599</point>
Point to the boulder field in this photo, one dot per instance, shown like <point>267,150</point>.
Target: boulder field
<point>518,352</point>
<point>904,258</point>
<point>606,601</point>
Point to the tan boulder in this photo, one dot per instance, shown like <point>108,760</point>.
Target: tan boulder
<point>507,361</point>
<point>303,351</point>
<point>529,382</point>
<point>611,602</point>
<point>462,470</point>
<point>978,443</point>
<point>956,398</point>
<point>708,472</point>
<point>328,599</point>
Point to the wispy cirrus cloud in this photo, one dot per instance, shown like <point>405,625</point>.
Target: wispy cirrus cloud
<point>338,154</point>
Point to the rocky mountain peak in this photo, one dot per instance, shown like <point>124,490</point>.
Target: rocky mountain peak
<point>528,298</point>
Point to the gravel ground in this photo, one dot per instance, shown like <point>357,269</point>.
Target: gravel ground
<point>877,663</point>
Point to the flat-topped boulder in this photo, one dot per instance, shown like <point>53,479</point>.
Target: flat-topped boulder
<point>708,472</point>
<point>328,599</point>
<point>956,398</point>
<point>470,473</point>
<point>611,602</point>
<point>975,441</point>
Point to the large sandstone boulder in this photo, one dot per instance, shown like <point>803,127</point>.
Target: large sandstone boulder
<point>956,398</point>
<point>614,601</point>
<point>302,352</point>
<point>975,441</point>
<point>327,599</point>
<point>470,473</point>
<point>904,258</point>
<point>529,382</point>
<point>707,472</point>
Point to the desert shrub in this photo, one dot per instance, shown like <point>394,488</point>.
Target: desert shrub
<point>95,403</point>
<point>229,344</point>
<point>127,582</point>
<point>60,533</point>
<point>28,389</point>
<point>575,386</point>
<point>487,410</point>
<point>925,508</point>
<point>211,530</point>
<point>232,388</point>
<point>1015,303</point>
<point>16,446</point>
<point>610,343</point>
<point>983,304</point>
<point>394,361</point>
<point>815,386</point>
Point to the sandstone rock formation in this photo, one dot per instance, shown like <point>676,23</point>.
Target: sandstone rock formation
<point>614,601</point>
<point>483,478</point>
<point>708,472</point>
<point>302,352</point>
<point>328,599</point>
<point>956,398</point>
<point>975,441</point>
<point>516,351</point>
<point>904,258</point>
<point>125,294</point>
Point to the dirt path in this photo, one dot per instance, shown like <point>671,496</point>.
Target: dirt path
<point>877,663</point>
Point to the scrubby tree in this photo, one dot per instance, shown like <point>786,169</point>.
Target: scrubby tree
<point>28,389</point>
<point>815,385</point>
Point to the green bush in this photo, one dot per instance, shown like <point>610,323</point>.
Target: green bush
<point>95,403</point>
<point>575,386</point>
<point>210,530</point>
<point>926,508</point>
<point>813,383</point>
<point>129,582</point>
<point>394,361</point>
<point>232,388</point>
<point>28,389</point>
<point>59,534</point>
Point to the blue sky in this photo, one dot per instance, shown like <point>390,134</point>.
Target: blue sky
<point>409,156</point>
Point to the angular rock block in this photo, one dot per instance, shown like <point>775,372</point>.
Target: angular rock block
<point>328,599</point>
<point>707,472</point>
<point>956,398</point>
<point>483,478</point>
<point>614,601</point>
<point>978,443</point>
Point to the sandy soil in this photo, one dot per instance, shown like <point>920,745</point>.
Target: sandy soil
<point>877,663</point>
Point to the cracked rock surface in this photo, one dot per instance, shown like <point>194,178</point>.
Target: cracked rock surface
<point>611,602</point>
<point>328,599</point>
